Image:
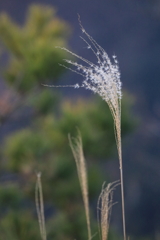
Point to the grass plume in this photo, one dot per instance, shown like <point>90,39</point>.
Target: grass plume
<point>105,203</point>
<point>77,150</point>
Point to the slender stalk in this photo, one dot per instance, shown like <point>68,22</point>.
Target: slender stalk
<point>40,207</point>
<point>122,196</point>
<point>117,122</point>
<point>122,190</point>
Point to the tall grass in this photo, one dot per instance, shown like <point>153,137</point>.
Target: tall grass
<point>102,78</point>
<point>105,203</point>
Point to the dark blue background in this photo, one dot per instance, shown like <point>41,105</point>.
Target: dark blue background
<point>131,30</point>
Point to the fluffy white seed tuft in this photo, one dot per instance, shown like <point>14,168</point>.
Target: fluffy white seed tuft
<point>102,78</point>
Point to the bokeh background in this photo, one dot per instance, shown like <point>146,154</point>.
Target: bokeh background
<point>35,120</point>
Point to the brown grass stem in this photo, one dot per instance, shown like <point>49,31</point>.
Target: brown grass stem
<point>40,207</point>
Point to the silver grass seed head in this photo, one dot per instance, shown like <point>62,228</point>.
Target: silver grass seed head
<point>102,78</point>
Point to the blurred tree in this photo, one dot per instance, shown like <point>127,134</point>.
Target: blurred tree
<point>43,146</point>
<point>32,49</point>
<point>32,56</point>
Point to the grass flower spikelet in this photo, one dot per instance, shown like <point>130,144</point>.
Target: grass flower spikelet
<point>104,207</point>
<point>103,78</point>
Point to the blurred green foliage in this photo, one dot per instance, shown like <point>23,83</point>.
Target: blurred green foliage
<point>33,55</point>
<point>43,145</point>
<point>44,102</point>
<point>19,225</point>
<point>10,197</point>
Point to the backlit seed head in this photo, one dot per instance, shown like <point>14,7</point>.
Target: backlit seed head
<point>102,78</point>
